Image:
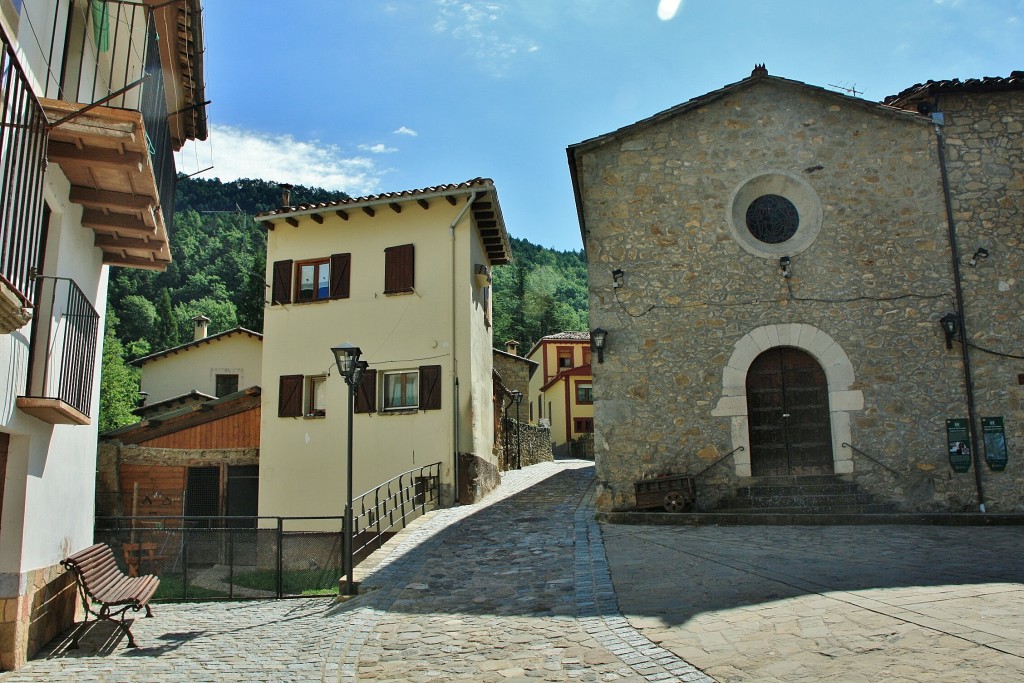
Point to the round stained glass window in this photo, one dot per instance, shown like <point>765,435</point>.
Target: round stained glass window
<point>772,219</point>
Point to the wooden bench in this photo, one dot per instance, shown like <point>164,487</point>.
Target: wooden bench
<point>141,554</point>
<point>101,581</point>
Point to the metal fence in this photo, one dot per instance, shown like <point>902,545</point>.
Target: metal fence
<point>23,136</point>
<point>383,511</point>
<point>64,355</point>
<point>230,558</point>
<point>202,557</point>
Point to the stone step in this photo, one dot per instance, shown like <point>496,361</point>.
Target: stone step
<point>760,490</point>
<point>796,499</point>
<point>821,509</point>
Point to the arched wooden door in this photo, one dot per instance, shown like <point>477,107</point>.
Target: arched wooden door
<point>787,410</point>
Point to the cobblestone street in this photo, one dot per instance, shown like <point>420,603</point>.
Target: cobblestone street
<point>518,588</point>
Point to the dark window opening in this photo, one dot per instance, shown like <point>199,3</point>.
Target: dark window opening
<point>226,384</point>
<point>772,219</point>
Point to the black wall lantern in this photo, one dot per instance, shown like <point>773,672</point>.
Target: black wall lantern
<point>950,322</point>
<point>597,339</point>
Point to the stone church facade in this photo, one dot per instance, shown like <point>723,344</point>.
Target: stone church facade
<point>772,263</point>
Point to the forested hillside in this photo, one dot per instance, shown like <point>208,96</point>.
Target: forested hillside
<point>219,256</point>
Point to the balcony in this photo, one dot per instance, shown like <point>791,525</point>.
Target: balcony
<point>110,134</point>
<point>22,165</point>
<point>62,362</point>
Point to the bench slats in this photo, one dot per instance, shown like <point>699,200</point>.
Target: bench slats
<point>102,581</point>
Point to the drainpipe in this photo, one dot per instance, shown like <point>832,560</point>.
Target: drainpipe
<point>964,350</point>
<point>455,367</point>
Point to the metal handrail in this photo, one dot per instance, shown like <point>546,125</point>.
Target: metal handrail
<point>701,473</point>
<point>392,503</point>
<point>874,460</point>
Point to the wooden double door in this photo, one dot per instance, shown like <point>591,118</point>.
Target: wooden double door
<point>788,415</point>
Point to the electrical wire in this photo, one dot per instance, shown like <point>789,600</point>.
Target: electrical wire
<point>754,302</point>
<point>995,353</point>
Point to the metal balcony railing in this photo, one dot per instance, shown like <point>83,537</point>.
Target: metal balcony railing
<point>63,358</point>
<point>23,136</point>
<point>111,57</point>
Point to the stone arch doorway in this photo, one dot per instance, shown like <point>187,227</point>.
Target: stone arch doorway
<point>788,414</point>
<point>843,399</point>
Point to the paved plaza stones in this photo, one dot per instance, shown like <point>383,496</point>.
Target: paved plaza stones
<point>518,588</point>
<point>843,603</point>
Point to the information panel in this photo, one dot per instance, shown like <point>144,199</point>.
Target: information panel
<point>959,444</point>
<point>995,443</point>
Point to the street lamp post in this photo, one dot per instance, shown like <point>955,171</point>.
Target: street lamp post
<point>351,368</point>
<point>517,396</point>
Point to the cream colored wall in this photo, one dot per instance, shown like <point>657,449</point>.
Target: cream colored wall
<point>555,397</point>
<point>49,489</point>
<point>197,367</point>
<point>302,460</point>
<point>481,408</point>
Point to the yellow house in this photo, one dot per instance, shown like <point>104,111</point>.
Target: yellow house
<point>208,367</point>
<point>561,387</point>
<point>404,276</point>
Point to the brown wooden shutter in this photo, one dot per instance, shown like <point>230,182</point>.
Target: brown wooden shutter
<point>430,387</point>
<point>289,398</point>
<point>281,291</point>
<point>341,269</point>
<point>399,269</point>
<point>366,397</point>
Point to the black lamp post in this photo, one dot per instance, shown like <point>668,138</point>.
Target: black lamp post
<point>351,368</point>
<point>517,396</point>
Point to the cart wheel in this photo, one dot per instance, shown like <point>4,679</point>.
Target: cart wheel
<point>675,501</point>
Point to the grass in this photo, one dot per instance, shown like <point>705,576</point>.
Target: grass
<point>299,582</point>
<point>172,587</point>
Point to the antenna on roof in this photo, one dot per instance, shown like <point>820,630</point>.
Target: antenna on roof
<point>852,90</point>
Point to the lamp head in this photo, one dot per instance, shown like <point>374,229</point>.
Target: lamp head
<point>347,357</point>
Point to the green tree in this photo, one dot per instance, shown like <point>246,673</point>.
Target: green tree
<point>119,383</point>
<point>222,315</point>
<point>138,320</point>
<point>167,328</point>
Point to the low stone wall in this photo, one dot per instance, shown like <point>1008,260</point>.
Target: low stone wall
<point>477,478</point>
<point>30,621</point>
<point>536,443</point>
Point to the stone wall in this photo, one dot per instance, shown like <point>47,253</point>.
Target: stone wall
<point>514,372</point>
<point>477,478</point>
<point>31,619</point>
<point>984,147</point>
<point>536,443</point>
<point>866,292</point>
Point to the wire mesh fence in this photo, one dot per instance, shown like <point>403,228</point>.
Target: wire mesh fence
<point>216,557</point>
<point>210,558</point>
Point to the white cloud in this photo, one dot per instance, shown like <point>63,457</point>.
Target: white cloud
<point>406,131</point>
<point>239,153</point>
<point>667,9</point>
<point>379,148</point>
<point>480,26</point>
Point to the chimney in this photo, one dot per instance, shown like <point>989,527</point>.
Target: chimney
<point>201,323</point>
<point>512,346</point>
<point>286,194</point>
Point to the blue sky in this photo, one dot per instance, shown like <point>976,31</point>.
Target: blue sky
<point>373,96</point>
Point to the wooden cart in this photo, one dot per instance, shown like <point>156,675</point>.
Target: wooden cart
<point>674,493</point>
